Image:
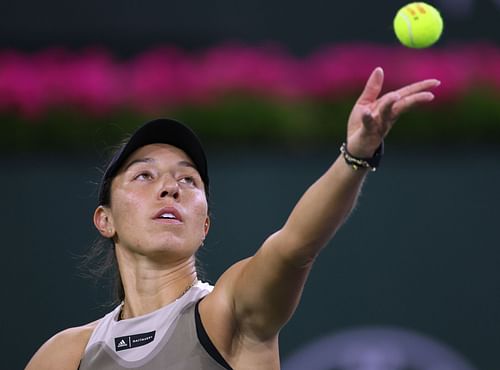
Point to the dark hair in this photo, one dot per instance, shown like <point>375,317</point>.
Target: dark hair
<point>100,262</point>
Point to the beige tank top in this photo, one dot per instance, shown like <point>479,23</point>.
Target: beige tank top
<point>171,338</point>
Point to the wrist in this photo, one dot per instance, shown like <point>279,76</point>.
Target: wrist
<point>359,151</point>
<point>369,162</point>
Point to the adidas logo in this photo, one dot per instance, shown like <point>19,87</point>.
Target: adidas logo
<point>132,341</point>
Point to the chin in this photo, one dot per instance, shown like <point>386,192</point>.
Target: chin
<point>171,247</point>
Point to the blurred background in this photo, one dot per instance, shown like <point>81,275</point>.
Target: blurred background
<point>412,279</point>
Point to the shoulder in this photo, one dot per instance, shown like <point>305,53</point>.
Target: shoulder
<point>221,324</point>
<point>217,308</point>
<point>64,350</point>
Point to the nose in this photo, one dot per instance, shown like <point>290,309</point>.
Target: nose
<point>170,188</point>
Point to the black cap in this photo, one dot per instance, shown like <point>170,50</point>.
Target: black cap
<point>161,130</point>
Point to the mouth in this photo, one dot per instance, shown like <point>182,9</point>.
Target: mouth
<point>168,215</point>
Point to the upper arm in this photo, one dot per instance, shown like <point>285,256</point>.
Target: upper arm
<point>63,351</point>
<point>260,293</point>
<point>268,287</point>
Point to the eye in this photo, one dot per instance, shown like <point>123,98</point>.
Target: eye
<point>144,176</point>
<point>187,180</point>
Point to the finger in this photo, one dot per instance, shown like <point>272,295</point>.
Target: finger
<point>410,101</point>
<point>418,86</point>
<point>386,104</point>
<point>373,87</point>
<point>382,109</point>
<point>367,119</point>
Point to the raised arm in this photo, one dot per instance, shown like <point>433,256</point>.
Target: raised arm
<point>266,288</point>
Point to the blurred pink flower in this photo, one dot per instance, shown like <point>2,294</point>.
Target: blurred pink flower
<point>95,83</point>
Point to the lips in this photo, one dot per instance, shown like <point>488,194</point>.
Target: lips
<point>168,214</point>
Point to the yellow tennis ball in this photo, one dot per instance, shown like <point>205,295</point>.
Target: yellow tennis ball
<point>418,25</point>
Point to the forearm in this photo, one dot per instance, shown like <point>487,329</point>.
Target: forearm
<point>322,210</point>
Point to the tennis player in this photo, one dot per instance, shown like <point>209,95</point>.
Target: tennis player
<point>153,207</point>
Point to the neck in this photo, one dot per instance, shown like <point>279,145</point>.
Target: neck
<point>150,286</point>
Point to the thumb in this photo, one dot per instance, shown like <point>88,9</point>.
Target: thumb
<point>373,87</point>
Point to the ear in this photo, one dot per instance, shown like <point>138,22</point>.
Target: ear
<point>207,225</point>
<point>104,222</point>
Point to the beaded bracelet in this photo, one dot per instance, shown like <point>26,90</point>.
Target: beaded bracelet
<point>357,163</point>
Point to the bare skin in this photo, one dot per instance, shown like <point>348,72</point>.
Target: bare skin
<point>255,297</point>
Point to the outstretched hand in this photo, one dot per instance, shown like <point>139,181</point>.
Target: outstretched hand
<point>372,117</point>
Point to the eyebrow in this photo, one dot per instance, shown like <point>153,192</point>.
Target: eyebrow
<point>152,160</point>
<point>139,160</point>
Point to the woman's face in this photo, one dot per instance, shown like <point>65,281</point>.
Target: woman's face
<point>158,203</point>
